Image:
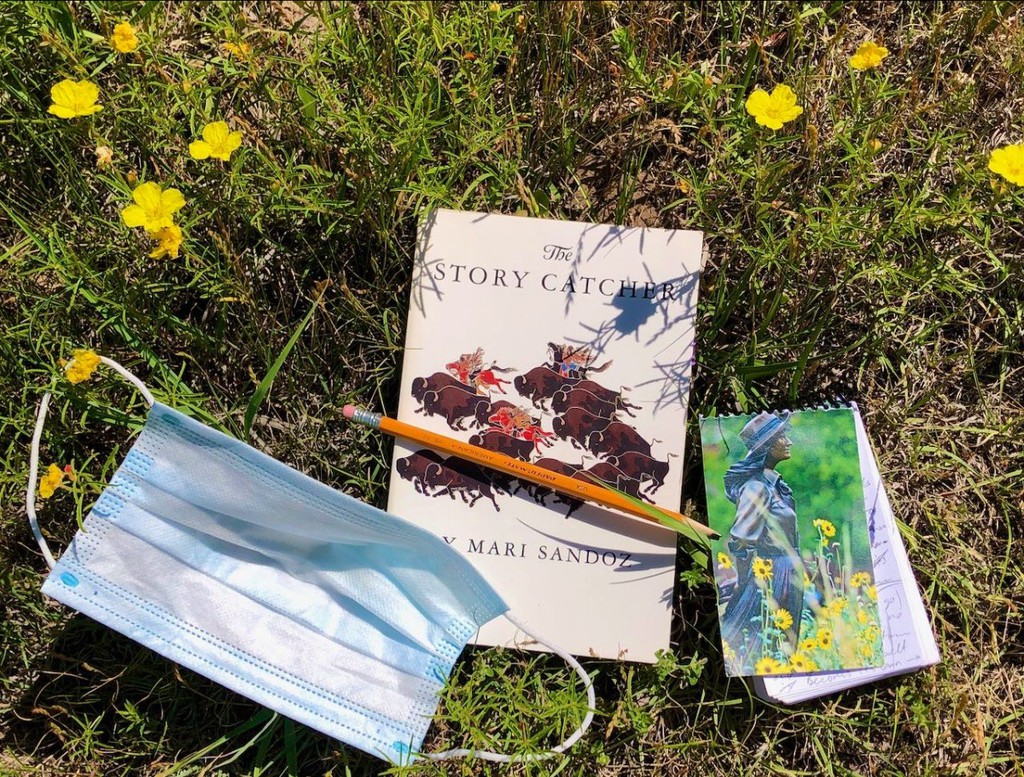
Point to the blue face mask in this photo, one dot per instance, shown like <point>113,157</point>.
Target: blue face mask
<point>312,603</point>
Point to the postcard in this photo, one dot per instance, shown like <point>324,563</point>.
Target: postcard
<point>793,567</point>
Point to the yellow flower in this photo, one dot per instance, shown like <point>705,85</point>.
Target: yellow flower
<point>871,633</point>
<point>859,579</point>
<point>724,561</point>
<point>762,568</point>
<point>1008,162</point>
<point>74,98</point>
<point>827,528</point>
<point>824,638</point>
<point>809,644</point>
<point>775,109</point>
<point>124,39</point>
<point>782,618</point>
<point>104,156</point>
<point>799,662</point>
<point>154,208</point>
<point>49,482</point>
<point>869,55</point>
<point>866,650</point>
<point>218,141</point>
<point>727,651</point>
<point>862,617</point>
<point>837,605</point>
<point>872,593</point>
<point>769,665</point>
<point>168,242</point>
<point>82,365</point>
<point>239,50</point>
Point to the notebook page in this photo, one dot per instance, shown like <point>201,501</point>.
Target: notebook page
<point>907,634</point>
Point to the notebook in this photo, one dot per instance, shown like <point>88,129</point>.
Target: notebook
<point>908,641</point>
<point>814,588</point>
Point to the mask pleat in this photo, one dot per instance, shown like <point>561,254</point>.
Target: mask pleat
<point>295,581</point>
<point>222,475</point>
<point>202,609</point>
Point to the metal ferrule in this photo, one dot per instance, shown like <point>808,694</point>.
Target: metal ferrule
<point>366,417</point>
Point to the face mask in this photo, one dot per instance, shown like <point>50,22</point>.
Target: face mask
<point>312,603</point>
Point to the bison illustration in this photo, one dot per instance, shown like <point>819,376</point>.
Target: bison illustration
<point>414,467</point>
<point>643,468</point>
<point>541,493</point>
<point>436,382</point>
<point>539,384</point>
<point>485,411</point>
<point>454,404</point>
<point>458,476</point>
<point>500,442</point>
<point>562,400</point>
<point>611,475</point>
<point>576,424</point>
<point>615,439</point>
<point>607,394</point>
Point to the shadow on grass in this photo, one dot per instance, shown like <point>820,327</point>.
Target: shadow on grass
<point>95,686</point>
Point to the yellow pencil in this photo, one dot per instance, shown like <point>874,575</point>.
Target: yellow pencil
<point>521,469</point>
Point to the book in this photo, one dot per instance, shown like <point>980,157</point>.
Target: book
<point>814,588</point>
<point>568,345</point>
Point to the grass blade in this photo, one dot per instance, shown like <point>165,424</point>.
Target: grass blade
<point>268,380</point>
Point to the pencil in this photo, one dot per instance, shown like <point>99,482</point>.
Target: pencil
<point>521,469</point>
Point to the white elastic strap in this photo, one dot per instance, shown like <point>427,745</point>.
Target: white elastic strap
<point>130,378</point>
<point>33,459</point>
<point>33,476</point>
<point>487,755</point>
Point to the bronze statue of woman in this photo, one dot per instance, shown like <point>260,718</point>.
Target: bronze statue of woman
<point>763,540</point>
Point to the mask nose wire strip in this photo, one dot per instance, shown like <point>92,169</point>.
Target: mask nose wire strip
<point>33,461</point>
<point>487,755</point>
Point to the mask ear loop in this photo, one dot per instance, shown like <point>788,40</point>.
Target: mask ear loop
<point>33,460</point>
<point>488,755</point>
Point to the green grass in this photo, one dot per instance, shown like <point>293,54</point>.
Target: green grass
<point>889,276</point>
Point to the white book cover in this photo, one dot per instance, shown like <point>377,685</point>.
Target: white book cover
<point>568,345</point>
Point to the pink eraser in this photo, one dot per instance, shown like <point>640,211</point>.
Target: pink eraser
<point>348,411</point>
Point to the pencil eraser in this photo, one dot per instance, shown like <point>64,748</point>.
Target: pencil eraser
<point>348,411</point>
